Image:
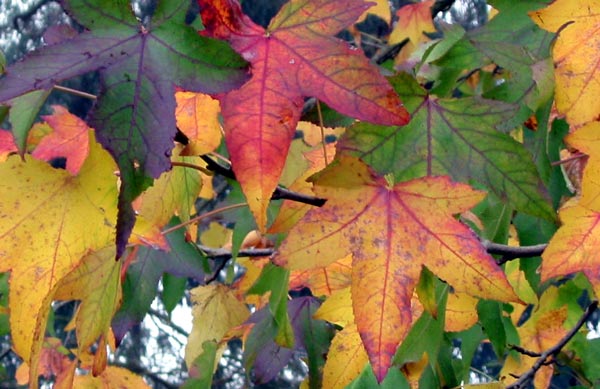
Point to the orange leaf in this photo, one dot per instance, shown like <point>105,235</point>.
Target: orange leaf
<point>111,377</point>
<point>68,139</point>
<point>576,56</point>
<point>392,231</point>
<point>295,56</point>
<point>197,117</point>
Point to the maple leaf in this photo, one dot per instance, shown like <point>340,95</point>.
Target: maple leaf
<point>295,56</point>
<point>458,137</point>
<point>573,247</point>
<point>68,139</point>
<point>575,55</point>
<point>72,216</point>
<point>112,377</point>
<point>139,67</point>
<point>414,20</point>
<point>324,281</point>
<point>543,329</point>
<point>392,231</point>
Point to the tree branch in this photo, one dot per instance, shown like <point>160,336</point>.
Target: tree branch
<point>512,252</point>
<point>226,254</point>
<point>553,351</point>
<point>279,194</point>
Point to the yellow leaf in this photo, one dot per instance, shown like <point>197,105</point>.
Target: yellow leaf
<point>49,220</point>
<point>576,56</point>
<point>346,359</point>
<point>197,117</point>
<point>326,280</point>
<point>337,309</point>
<point>461,312</point>
<point>96,282</point>
<point>381,8</point>
<point>216,310</point>
<point>312,132</point>
<point>543,330</point>
<point>111,378</point>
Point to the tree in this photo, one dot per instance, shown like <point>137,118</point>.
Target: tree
<point>454,197</point>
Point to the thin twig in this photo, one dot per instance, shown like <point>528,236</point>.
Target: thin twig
<point>74,92</point>
<point>203,216</point>
<point>553,351</point>
<point>524,351</point>
<point>217,271</point>
<point>320,113</point>
<point>192,166</point>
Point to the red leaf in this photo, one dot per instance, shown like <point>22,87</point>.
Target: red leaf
<point>69,139</point>
<point>295,56</point>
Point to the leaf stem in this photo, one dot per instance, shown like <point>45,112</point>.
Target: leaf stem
<point>74,92</point>
<point>569,159</point>
<point>320,114</point>
<point>192,166</point>
<point>203,216</point>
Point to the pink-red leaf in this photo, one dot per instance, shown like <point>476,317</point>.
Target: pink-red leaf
<point>295,56</point>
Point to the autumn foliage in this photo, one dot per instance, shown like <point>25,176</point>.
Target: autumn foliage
<point>392,212</point>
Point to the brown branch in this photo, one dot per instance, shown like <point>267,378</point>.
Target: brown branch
<point>553,351</point>
<point>512,252</point>
<point>213,253</point>
<point>280,192</point>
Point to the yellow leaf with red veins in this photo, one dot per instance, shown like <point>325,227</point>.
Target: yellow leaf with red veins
<point>292,211</point>
<point>413,21</point>
<point>49,220</point>
<point>197,117</point>
<point>216,310</point>
<point>392,231</point>
<point>68,139</point>
<point>576,56</point>
<point>96,282</point>
<point>543,330</point>
<point>324,281</point>
<point>574,247</point>
<point>111,377</point>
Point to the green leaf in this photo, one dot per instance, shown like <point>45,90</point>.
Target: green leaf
<point>173,291</point>
<point>490,316</point>
<point>23,112</point>
<point>274,279</point>
<point>456,137</point>
<point>201,371</point>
